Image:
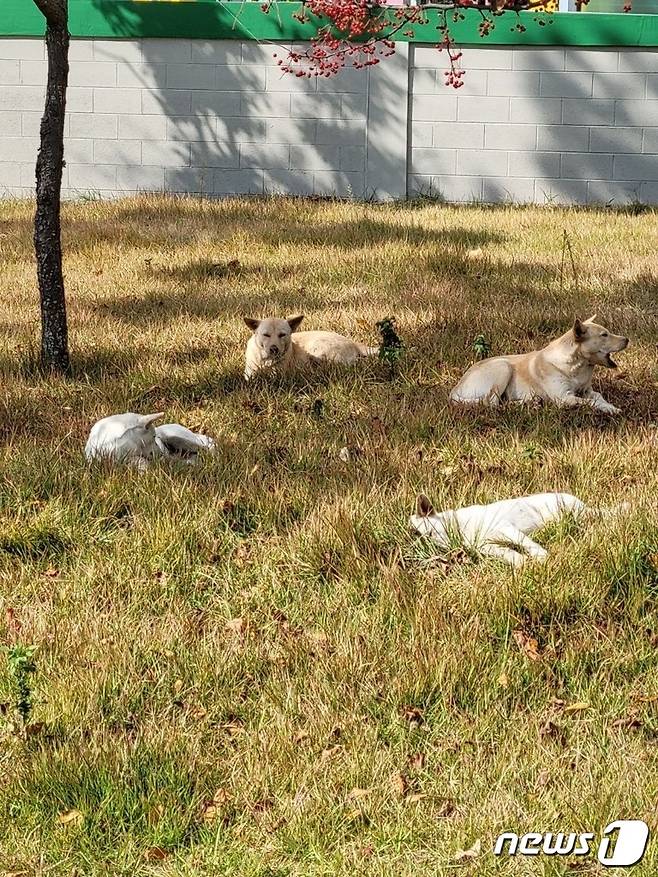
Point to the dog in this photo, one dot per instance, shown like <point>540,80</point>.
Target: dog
<point>492,530</point>
<point>272,346</point>
<point>561,372</point>
<point>134,439</point>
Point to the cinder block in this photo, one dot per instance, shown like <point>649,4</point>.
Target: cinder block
<point>262,53</point>
<point>353,106</point>
<point>33,72</point>
<point>434,108</point>
<point>652,86</point>
<point>481,163</point>
<point>649,193</point>
<point>456,189</point>
<point>353,158</point>
<point>167,101</point>
<point>421,134</point>
<point>168,154</point>
<point>12,125</point>
<point>540,165</point>
<point>167,50</point>
<point>636,167</point>
<point>539,58</point>
<point>586,166</point>
<point>512,83</point>
<point>142,127</point>
<point>348,80</point>
<point>418,186</point>
<point>79,151</point>
<point>561,191</point>
<point>649,141</point>
<point>507,190</point>
<point>476,58</point>
<point>142,76</point>
<point>620,85</point>
<point>546,111</point>
<point>140,179</point>
<point>14,49</point>
<point>510,136</point>
<point>424,81</point>
<point>93,126</point>
<point>282,182</point>
<point>611,192</point>
<point>563,138</point>
<point>345,132</point>
<point>192,128</point>
<point>635,112</point>
<point>266,157</point>
<point>93,177</point>
<point>607,139</point>
<point>10,172</point>
<point>10,72</point>
<point>81,49</point>
<point>79,100</point>
<point>574,85</point>
<point>475,83</point>
<point>240,78</point>
<point>191,180</point>
<point>100,73</point>
<point>588,111</point>
<point>638,60</point>
<point>291,131</point>
<point>278,81</point>
<point>243,182</point>
<point>317,157</point>
<point>13,148</point>
<point>342,184</point>
<point>483,109</point>
<point>216,52</point>
<point>241,130</point>
<point>28,176</point>
<point>324,106</point>
<point>200,77</point>
<point>122,152</point>
<point>118,50</point>
<point>433,161</point>
<point>27,97</point>
<point>266,105</point>
<point>225,155</point>
<point>117,100</point>
<point>603,60</point>
<point>216,103</point>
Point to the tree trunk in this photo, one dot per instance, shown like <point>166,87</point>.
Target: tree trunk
<point>47,227</point>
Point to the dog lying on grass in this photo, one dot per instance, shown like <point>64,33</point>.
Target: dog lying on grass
<point>561,372</point>
<point>134,438</point>
<point>500,529</point>
<point>272,346</point>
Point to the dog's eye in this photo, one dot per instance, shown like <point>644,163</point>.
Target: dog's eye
<point>604,334</point>
<point>282,334</point>
<point>266,335</point>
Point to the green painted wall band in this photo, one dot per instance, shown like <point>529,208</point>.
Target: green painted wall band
<point>209,19</point>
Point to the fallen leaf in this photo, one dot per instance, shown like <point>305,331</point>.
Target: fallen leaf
<point>399,784</point>
<point>156,854</point>
<point>14,873</point>
<point>503,680</point>
<point>357,794</point>
<point>471,853</point>
<point>554,731</point>
<point>178,686</point>
<point>418,796</point>
<point>300,799</point>
<point>344,455</point>
<point>474,253</point>
<point>413,715</point>
<point>527,644</point>
<point>50,573</point>
<point>71,817</point>
<point>300,737</point>
<point>330,752</point>
<point>542,779</point>
<point>577,707</point>
<point>236,625</point>
<point>417,761</point>
<point>446,809</point>
<point>627,722</point>
<point>210,813</point>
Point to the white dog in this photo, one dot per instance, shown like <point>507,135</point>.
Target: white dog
<point>134,438</point>
<point>493,529</point>
<point>272,345</point>
<point>561,372</point>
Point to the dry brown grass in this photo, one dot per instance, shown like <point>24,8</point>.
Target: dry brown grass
<point>354,664</point>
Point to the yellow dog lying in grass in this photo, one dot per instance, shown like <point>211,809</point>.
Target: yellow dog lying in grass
<point>561,372</point>
<point>272,345</point>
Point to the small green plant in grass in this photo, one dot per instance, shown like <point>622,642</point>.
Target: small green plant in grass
<point>481,347</point>
<point>391,347</point>
<point>20,660</point>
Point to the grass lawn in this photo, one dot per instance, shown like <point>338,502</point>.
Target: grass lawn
<point>251,667</point>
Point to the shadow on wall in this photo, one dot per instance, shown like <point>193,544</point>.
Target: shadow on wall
<point>217,117</point>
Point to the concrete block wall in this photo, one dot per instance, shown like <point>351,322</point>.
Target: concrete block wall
<point>218,118</point>
<point>562,125</point>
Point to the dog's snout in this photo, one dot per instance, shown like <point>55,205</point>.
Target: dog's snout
<point>626,342</point>
<point>273,349</point>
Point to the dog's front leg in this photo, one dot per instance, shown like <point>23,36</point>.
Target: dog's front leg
<point>508,555</point>
<point>597,401</point>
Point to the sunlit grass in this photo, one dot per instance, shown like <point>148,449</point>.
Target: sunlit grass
<point>263,630</point>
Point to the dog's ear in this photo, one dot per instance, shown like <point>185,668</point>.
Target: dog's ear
<point>149,419</point>
<point>579,330</point>
<point>294,322</point>
<point>424,507</point>
<point>253,324</point>
<point>591,319</point>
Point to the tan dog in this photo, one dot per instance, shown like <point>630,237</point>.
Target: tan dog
<point>561,372</point>
<point>272,346</point>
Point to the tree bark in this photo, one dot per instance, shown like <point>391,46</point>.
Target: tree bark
<point>50,161</point>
